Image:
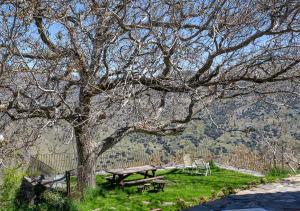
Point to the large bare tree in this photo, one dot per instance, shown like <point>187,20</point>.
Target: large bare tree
<point>139,66</point>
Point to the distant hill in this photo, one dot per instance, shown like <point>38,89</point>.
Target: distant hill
<point>221,127</point>
<point>226,125</point>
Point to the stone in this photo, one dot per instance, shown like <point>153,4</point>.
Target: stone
<point>165,204</point>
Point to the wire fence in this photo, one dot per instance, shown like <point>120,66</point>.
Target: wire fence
<point>239,157</point>
<point>60,162</point>
<point>260,161</point>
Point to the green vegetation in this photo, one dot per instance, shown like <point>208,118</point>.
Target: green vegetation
<point>9,187</point>
<point>277,173</point>
<point>54,200</point>
<point>182,190</point>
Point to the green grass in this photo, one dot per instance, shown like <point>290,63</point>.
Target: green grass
<point>181,190</point>
<point>277,173</point>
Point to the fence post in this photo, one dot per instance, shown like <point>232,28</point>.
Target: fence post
<point>68,182</point>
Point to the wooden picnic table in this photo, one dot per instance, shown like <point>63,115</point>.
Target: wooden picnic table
<point>119,175</point>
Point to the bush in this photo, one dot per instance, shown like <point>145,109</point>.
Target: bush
<point>213,165</point>
<point>12,178</point>
<point>54,200</point>
<point>182,204</point>
<point>263,180</point>
<point>275,173</point>
<point>228,190</point>
<point>202,200</point>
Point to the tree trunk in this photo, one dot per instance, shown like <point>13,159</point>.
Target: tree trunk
<point>86,156</point>
<point>87,161</point>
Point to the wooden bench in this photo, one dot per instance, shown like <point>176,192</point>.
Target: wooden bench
<point>142,188</point>
<point>141,181</point>
<point>158,184</point>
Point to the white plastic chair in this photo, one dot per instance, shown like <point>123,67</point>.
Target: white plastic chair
<point>202,167</point>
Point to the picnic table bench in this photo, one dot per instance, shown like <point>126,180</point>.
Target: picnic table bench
<point>158,184</point>
<point>119,175</point>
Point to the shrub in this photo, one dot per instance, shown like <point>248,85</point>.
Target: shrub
<point>278,173</point>
<point>202,199</point>
<point>213,165</point>
<point>225,191</point>
<point>54,200</point>
<point>181,203</point>
<point>263,180</point>
<point>214,194</point>
<point>12,178</point>
<point>228,190</point>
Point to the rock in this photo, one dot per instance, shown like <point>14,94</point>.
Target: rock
<point>168,203</point>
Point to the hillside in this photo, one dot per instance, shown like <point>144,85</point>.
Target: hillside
<point>221,127</point>
<point>227,125</point>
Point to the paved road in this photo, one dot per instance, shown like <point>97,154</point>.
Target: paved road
<point>280,196</point>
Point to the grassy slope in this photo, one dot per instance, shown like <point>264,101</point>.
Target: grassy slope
<point>180,187</point>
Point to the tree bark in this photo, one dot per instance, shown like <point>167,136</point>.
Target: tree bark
<point>87,161</point>
<point>86,155</point>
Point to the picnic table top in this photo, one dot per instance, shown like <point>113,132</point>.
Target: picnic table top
<point>131,170</point>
